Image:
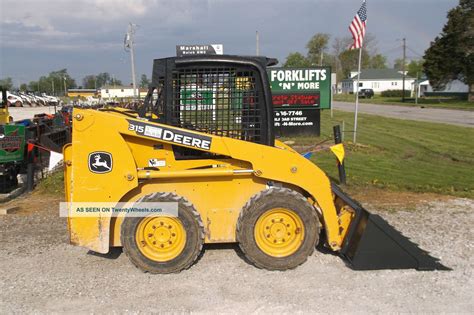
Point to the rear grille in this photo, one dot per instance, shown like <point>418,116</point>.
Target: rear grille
<point>219,101</point>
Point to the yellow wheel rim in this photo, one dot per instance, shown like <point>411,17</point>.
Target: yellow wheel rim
<point>279,232</point>
<point>160,238</point>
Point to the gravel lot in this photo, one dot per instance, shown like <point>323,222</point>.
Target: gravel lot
<point>20,113</point>
<point>40,272</point>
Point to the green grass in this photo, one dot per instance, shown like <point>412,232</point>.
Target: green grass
<point>435,102</point>
<point>53,184</point>
<point>401,154</point>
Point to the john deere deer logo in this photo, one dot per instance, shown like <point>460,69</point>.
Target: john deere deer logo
<point>100,162</point>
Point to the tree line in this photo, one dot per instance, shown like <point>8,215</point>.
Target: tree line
<point>321,51</point>
<point>57,82</point>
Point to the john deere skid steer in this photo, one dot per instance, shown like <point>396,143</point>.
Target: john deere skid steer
<point>205,140</point>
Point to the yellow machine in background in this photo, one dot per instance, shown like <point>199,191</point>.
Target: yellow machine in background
<point>5,117</point>
<point>205,140</point>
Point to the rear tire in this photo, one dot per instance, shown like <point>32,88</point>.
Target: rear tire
<point>278,229</point>
<point>155,255</point>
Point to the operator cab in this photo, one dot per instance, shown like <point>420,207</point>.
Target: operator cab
<point>221,95</point>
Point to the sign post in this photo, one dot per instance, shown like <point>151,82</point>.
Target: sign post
<point>298,95</point>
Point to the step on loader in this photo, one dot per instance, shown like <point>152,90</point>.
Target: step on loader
<point>204,140</point>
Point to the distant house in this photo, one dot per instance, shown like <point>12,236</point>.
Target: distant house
<point>453,88</point>
<point>81,92</point>
<point>116,91</point>
<point>377,79</point>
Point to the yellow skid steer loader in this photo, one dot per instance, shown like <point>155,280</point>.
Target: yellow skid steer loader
<point>205,141</point>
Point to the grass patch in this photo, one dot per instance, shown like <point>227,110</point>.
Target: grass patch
<point>53,184</point>
<point>401,154</point>
<point>435,102</point>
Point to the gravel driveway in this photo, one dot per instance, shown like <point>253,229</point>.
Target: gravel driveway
<point>439,115</point>
<point>40,272</point>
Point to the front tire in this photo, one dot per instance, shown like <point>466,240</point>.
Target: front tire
<point>278,229</point>
<point>161,244</point>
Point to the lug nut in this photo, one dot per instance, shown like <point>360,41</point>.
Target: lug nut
<point>173,234</point>
<point>150,235</point>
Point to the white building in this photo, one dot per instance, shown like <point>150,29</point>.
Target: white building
<point>452,88</point>
<point>116,91</point>
<point>377,79</point>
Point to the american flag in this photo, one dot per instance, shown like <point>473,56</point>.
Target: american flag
<point>358,25</point>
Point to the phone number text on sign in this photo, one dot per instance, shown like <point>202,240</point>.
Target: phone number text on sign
<point>287,118</point>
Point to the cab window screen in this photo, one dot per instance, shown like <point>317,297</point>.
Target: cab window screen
<point>221,101</point>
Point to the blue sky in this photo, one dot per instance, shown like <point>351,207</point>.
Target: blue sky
<point>86,36</point>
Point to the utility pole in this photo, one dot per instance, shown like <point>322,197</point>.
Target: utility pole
<point>52,83</point>
<point>65,90</point>
<point>257,43</point>
<point>322,56</point>
<point>128,43</point>
<point>403,69</point>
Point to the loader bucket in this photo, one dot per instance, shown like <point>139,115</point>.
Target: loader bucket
<point>371,243</point>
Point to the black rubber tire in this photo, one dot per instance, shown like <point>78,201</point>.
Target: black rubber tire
<point>275,198</point>
<point>193,226</point>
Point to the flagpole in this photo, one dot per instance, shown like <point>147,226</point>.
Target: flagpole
<point>357,97</point>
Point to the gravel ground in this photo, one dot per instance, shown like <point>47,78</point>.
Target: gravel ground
<point>41,273</point>
<point>20,113</point>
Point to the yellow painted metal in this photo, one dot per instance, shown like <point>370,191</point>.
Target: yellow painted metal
<point>346,214</point>
<point>210,172</point>
<point>218,199</point>
<point>160,238</point>
<point>5,117</point>
<point>279,232</point>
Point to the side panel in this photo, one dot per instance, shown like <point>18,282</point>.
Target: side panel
<point>218,201</point>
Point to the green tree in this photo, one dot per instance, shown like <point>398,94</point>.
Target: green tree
<point>415,68</point>
<point>90,82</point>
<point>54,83</point>
<point>296,60</point>
<point>7,83</point>
<point>450,55</point>
<point>23,87</point>
<point>103,78</point>
<point>144,81</point>
<point>350,61</point>
<point>317,48</point>
<point>398,64</point>
<point>378,61</point>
